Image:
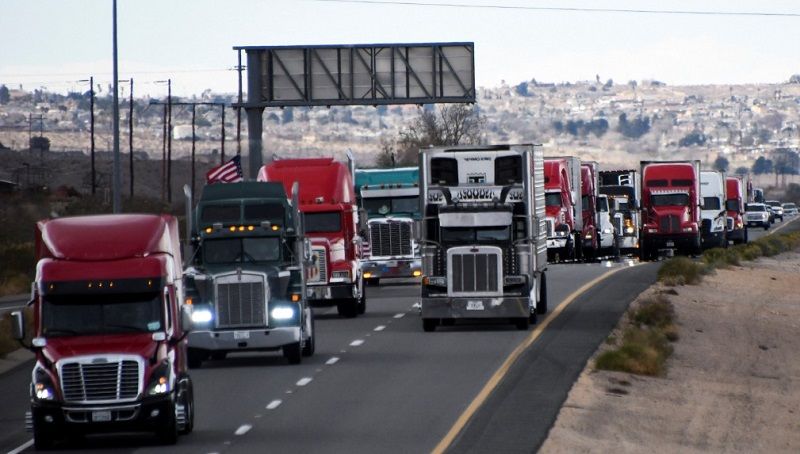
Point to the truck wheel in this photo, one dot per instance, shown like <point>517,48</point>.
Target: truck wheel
<point>219,356</point>
<point>310,345</point>
<point>196,358</point>
<point>168,434</point>
<point>429,324</point>
<point>766,226</point>
<point>373,281</point>
<point>292,353</point>
<point>43,439</point>
<point>362,301</point>
<point>745,236</point>
<point>522,323</point>
<point>187,402</point>
<point>541,307</point>
<point>348,308</point>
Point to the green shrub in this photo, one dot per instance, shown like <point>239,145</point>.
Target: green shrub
<point>656,312</point>
<point>721,258</point>
<point>643,352</point>
<point>681,271</point>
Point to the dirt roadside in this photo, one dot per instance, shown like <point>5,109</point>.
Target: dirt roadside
<point>732,385</point>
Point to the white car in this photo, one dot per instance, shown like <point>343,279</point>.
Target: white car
<point>789,209</point>
<point>757,214</point>
<point>776,208</point>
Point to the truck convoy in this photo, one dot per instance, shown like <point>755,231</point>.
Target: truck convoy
<point>390,198</point>
<point>734,205</point>
<point>670,207</point>
<point>713,213</point>
<point>246,280</point>
<point>108,329</point>
<point>331,220</point>
<point>562,182</point>
<point>483,234</point>
<point>599,234</point>
<point>623,189</point>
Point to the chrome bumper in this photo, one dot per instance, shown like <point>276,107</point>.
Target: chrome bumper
<point>250,339</point>
<point>462,307</point>
<point>391,268</point>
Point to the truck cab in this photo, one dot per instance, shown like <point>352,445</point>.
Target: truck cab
<point>623,189</point>
<point>332,223</point>
<point>598,231</point>
<point>713,212</point>
<point>246,278</point>
<point>390,199</point>
<point>483,234</point>
<point>563,207</point>
<point>670,207</point>
<point>734,205</point>
<point>109,331</point>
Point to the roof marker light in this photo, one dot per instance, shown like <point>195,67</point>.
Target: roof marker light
<point>209,230</point>
<point>241,228</point>
<point>233,228</point>
<point>275,228</point>
<point>250,228</point>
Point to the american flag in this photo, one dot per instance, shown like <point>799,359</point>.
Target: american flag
<point>230,172</point>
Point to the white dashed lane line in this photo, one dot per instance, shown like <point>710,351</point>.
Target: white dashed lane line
<point>274,404</point>
<point>399,315</point>
<point>243,429</point>
<point>380,328</point>
<point>304,381</point>
<point>356,342</point>
<point>332,361</point>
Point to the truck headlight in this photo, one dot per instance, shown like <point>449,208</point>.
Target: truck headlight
<point>606,230</point>
<point>160,380</point>
<point>628,229</point>
<point>282,313</point>
<point>201,316</point>
<point>43,388</point>
<point>688,229</point>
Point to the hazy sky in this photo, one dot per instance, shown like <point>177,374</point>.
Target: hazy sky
<point>54,43</point>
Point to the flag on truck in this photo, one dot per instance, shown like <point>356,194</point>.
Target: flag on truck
<point>230,172</point>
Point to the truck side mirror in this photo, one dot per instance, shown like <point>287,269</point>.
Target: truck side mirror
<point>186,318</point>
<point>306,249</point>
<point>17,326</point>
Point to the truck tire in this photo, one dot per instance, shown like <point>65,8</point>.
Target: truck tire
<point>429,324</point>
<point>218,356</point>
<point>168,433</point>
<point>187,401</point>
<point>43,439</point>
<point>348,308</point>
<point>196,358</point>
<point>745,236</point>
<point>292,353</point>
<point>362,301</point>
<point>522,323</point>
<point>310,345</point>
<point>541,307</point>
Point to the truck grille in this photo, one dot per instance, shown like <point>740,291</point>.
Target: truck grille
<point>241,303</point>
<point>474,271</point>
<point>390,238</point>
<point>322,266</point>
<point>551,227</point>
<point>99,382</point>
<point>669,224</point>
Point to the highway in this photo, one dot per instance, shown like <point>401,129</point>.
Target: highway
<point>379,383</point>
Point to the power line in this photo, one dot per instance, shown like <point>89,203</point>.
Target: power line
<point>166,71</point>
<point>567,9</point>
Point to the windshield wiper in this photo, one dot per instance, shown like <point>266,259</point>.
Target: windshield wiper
<point>128,327</point>
<point>60,332</point>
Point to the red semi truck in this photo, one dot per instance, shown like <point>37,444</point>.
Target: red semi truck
<point>734,205</point>
<point>332,223</point>
<point>109,329</point>
<point>564,214</point>
<point>589,192</point>
<point>671,207</point>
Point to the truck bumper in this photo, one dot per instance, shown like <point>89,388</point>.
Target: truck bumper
<point>680,242</point>
<point>321,295</point>
<point>607,240</point>
<point>712,239</point>
<point>145,415</point>
<point>556,243</point>
<point>390,268</point>
<point>243,340</point>
<point>628,242</point>
<point>736,235</point>
<point>483,307</point>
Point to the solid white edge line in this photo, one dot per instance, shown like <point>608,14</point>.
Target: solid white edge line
<point>332,361</point>
<point>380,327</point>
<point>243,429</point>
<point>304,381</point>
<point>274,404</point>
<point>22,447</point>
<point>356,342</point>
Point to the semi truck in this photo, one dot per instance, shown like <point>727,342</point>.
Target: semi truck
<point>713,212</point>
<point>623,189</point>
<point>390,198</point>
<point>599,235</point>
<point>246,278</point>
<point>671,206</point>
<point>484,244</point>
<point>734,205</point>
<point>109,330</point>
<point>332,223</point>
<point>562,180</point>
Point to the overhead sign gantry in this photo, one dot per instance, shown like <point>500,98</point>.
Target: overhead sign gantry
<point>359,74</point>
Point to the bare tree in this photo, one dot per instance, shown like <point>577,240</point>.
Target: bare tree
<point>453,124</point>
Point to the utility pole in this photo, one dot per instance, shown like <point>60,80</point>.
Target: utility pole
<point>91,129</point>
<point>169,141</point>
<point>164,158</point>
<point>117,174</point>
<point>239,109</point>
<point>193,143</point>
<point>222,143</point>
<point>130,135</point>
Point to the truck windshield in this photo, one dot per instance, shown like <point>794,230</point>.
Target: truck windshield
<point>663,200</point>
<point>552,199</point>
<point>323,222</point>
<point>475,234</point>
<point>74,315</point>
<point>732,205</point>
<point>602,205</point>
<point>756,208</point>
<point>241,250</point>
<point>388,205</point>
<point>711,203</point>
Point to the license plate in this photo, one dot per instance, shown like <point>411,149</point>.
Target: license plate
<point>474,305</point>
<point>239,335</point>
<point>670,244</point>
<point>391,263</point>
<point>101,416</point>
